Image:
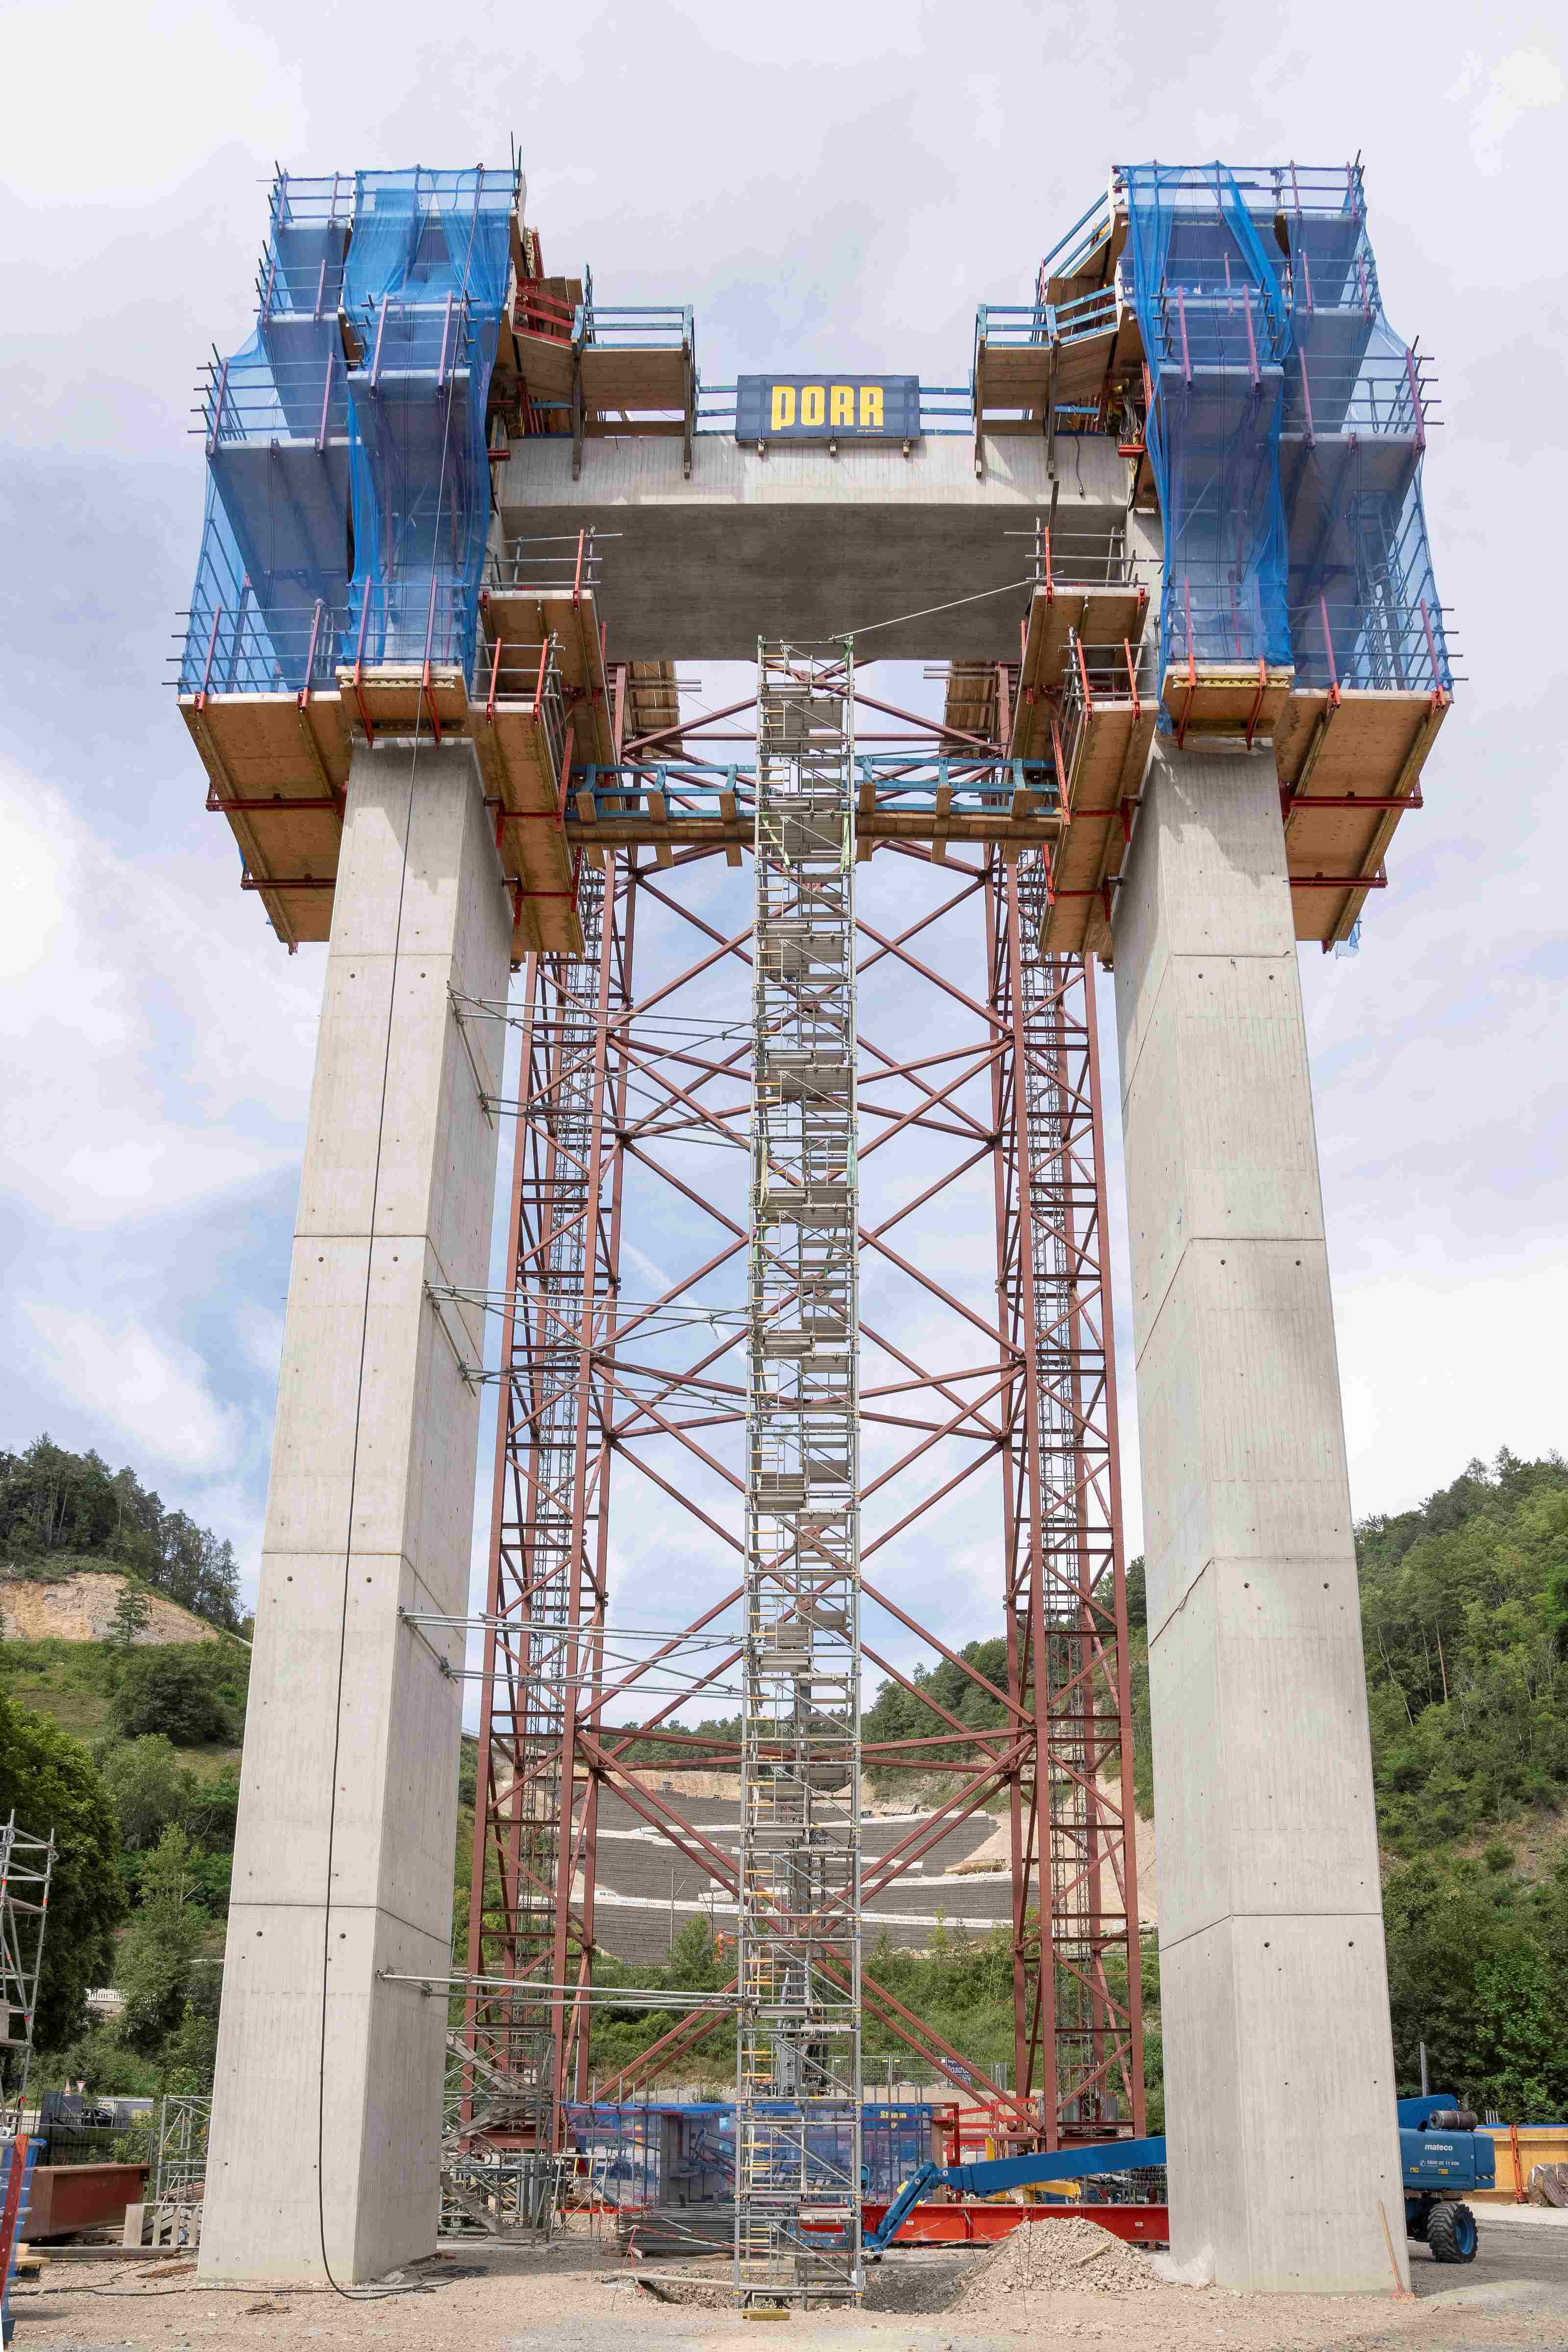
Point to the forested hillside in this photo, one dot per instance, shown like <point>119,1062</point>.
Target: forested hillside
<point>62,1510</point>
<point>132,1752</point>
<point>1464,1627</point>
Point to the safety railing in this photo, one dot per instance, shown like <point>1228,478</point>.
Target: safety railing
<point>301,265</point>
<point>1097,677</point>
<point>1014,326</point>
<point>685,787</point>
<point>425,340</point>
<point>233,647</point>
<point>1389,395</point>
<point>1078,559</point>
<point>304,287</point>
<point>947,409</point>
<point>980,786</point>
<point>1210,616</point>
<point>559,565</point>
<point>1213,322</point>
<point>261,396</point>
<point>1378,643</point>
<point>646,327</point>
<point>239,647</point>
<point>506,677</point>
<point>1071,252</point>
<point>1324,190</point>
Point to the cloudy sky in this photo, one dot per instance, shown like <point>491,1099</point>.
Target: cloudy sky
<point>831,187</point>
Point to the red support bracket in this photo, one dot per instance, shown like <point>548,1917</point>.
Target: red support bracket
<point>359,665</point>
<point>1256,711</point>
<point>427,696</point>
<point>207,669</point>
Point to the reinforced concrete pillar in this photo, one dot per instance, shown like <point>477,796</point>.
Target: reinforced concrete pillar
<point>327,2104</point>
<point>1284,2155</point>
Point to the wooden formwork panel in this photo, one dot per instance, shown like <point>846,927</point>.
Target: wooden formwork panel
<point>1107,766</point>
<point>398,698</point>
<point>1226,698</point>
<point>1012,376</point>
<point>1361,744</point>
<point>545,366</point>
<point>1113,614</point>
<point>530,616</point>
<point>634,379</point>
<point>970,698</point>
<point>278,770</point>
<point>1083,364</point>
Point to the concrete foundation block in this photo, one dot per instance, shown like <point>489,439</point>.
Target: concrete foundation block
<point>1279,2103</point>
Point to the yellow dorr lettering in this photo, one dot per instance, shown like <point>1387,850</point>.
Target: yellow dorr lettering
<point>870,405</point>
<point>813,404</point>
<point>843,409</point>
<point>783,407</point>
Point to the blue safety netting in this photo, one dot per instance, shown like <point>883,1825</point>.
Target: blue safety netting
<point>1286,427</point>
<point>659,2152</point>
<point>274,563</point>
<point>348,492</point>
<point>1215,333</point>
<point>1364,601</point>
<point>425,288</point>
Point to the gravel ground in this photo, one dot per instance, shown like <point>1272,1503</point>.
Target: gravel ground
<point>1513,2298</point>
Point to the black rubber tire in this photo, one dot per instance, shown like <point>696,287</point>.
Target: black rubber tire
<point>1418,2228</point>
<point>1451,2234</point>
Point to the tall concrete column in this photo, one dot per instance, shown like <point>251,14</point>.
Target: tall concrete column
<point>1274,1993</point>
<point>345,1855</point>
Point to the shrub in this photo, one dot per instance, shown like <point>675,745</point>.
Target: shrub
<point>175,1691</point>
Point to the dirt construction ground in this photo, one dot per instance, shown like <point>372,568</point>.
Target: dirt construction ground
<point>574,2297</point>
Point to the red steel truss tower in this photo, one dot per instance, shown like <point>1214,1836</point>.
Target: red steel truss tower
<point>988,1422</point>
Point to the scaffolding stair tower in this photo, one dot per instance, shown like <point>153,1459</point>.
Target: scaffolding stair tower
<point>798,2089</point>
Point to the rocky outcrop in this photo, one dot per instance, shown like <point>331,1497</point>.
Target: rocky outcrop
<point>81,1608</point>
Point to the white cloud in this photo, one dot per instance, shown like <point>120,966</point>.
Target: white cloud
<point>134,1085</point>
<point>153,1397</point>
<point>1502,92</point>
<point>1417,1353</point>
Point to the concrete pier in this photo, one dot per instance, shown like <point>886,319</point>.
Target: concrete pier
<point>370,1510</point>
<point>1279,2062</point>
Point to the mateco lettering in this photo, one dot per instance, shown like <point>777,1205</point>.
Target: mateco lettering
<point>826,407</point>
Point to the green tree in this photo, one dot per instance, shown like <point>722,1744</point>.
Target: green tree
<point>175,1691</point>
<point>166,1932</point>
<point>149,1788</point>
<point>58,1504</point>
<point>50,1783</point>
<point>132,1613</point>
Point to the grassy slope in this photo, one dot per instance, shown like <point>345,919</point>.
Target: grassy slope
<point>73,1683</point>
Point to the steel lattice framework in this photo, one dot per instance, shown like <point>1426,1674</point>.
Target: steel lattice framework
<point>986,1430</point>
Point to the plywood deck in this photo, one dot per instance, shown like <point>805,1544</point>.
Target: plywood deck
<point>277,772</point>
<point>1107,769</point>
